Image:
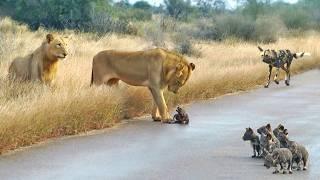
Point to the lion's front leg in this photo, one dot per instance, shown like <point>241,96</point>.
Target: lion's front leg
<point>155,113</point>
<point>36,73</point>
<point>155,110</point>
<point>162,106</point>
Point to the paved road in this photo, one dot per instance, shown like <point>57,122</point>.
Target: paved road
<point>209,148</point>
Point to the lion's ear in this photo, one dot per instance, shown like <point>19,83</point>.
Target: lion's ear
<point>192,66</point>
<point>260,48</point>
<point>49,38</point>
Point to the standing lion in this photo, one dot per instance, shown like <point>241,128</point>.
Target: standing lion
<point>42,64</point>
<point>156,69</point>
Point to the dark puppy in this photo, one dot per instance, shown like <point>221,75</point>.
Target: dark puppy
<point>181,117</point>
<point>249,135</point>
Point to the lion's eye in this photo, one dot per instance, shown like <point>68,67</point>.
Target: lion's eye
<point>58,45</point>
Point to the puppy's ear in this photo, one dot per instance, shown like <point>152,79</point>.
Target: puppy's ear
<point>268,126</point>
<point>269,137</point>
<point>260,49</point>
<point>281,127</point>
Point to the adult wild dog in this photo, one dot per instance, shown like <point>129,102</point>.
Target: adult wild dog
<point>281,59</point>
<point>42,64</point>
<point>156,69</point>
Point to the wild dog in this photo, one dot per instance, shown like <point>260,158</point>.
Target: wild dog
<point>283,138</point>
<point>299,152</point>
<point>279,59</point>
<point>281,157</point>
<point>181,117</point>
<point>278,129</point>
<point>249,135</point>
<point>270,145</point>
<point>300,155</point>
<point>264,131</point>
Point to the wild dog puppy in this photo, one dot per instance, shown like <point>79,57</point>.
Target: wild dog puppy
<point>279,157</point>
<point>300,155</point>
<point>283,138</point>
<point>249,135</point>
<point>263,131</point>
<point>270,145</point>
<point>299,152</point>
<point>181,117</point>
<point>278,129</point>
<point>279,59</point>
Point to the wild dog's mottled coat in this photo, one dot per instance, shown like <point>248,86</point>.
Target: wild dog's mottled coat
<point>281,157</point>
<point>279,59</point>
<point>249,135</point>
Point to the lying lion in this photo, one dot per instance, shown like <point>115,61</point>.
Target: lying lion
<point>156,69</point>
<point>42,64</point>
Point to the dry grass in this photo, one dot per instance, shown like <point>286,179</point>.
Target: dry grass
<point>31,112</point>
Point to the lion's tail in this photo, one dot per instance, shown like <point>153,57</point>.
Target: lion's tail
<point>91,83</point>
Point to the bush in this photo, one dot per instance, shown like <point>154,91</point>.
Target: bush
<point>268,29</point>
<point>102,23</point>
<point>205,30</point>
<point>183,45</point>
<point>8,25</point>
<point>152,32</point>
<point>264,29</point>
<point>234,26</point>
<point>296,18</point>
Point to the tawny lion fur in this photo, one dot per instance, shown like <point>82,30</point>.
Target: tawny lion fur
<point>156,69</point>
<point>42,64</point>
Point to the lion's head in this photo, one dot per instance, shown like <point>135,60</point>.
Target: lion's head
<point>180,76</point>
<point>56,47</point>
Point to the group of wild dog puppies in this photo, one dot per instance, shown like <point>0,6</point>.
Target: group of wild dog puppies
<point>276,148</point>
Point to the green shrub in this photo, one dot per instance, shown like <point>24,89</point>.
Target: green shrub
<point>296,18</point>
<point>184,45</point>
<point>235,26</point>
<point>268,29</point>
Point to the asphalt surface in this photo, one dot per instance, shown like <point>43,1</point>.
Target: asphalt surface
<point>210,147</point>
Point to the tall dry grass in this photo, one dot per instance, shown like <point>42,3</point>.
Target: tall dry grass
<point>31,112</point>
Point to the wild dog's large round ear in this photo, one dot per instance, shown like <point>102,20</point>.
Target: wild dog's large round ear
<point>281,127</point>
<point>49,37</point>
<point>268,126</point>
<point>260,48</point>
<point>269,137</point>
<point>192,66</point>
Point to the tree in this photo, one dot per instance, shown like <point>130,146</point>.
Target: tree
<point>142,5</point>
<point>206,7</point>
<point>178,9</point>
<point>252,8</point>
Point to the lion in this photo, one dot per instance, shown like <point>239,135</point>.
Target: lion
<point>156,69</point>
<point>42,64</point>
